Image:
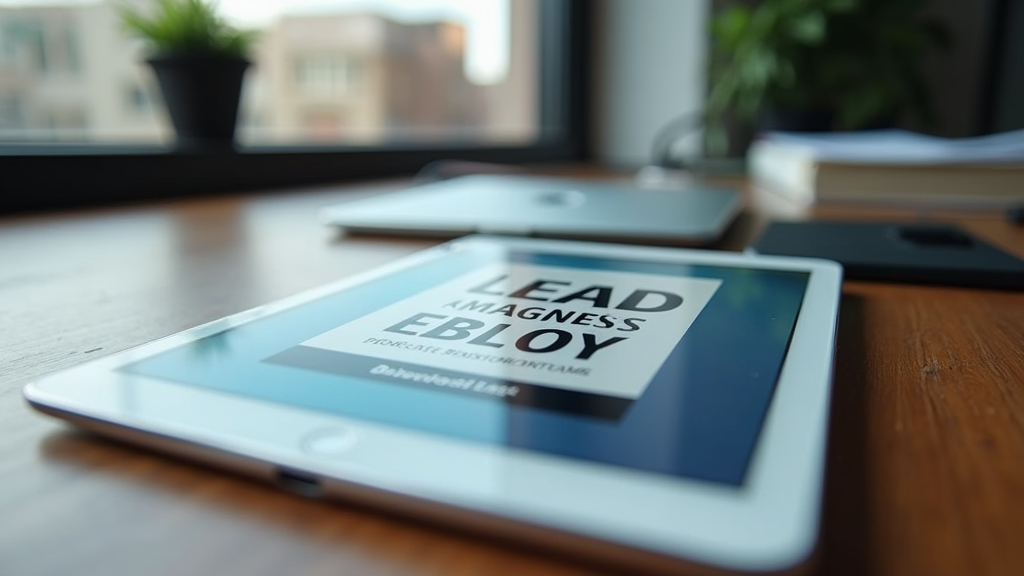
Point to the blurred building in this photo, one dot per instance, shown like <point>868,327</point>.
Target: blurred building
<point>362,78</point>
<point>70,73</point>
<point>513,104</point>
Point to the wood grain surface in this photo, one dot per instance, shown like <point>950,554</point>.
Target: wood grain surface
<point>926,451</point>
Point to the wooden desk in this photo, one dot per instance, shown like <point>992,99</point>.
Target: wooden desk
<point>926,466</point>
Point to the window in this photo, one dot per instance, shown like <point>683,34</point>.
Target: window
<point>325,77</point>
<point>12,116</point>
<point>360,88</point>
<point>137,99</point>
<point>35,44</point>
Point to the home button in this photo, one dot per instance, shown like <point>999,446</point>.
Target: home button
<point>332,441</point>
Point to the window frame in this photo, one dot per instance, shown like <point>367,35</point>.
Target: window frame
<point>48,176</point>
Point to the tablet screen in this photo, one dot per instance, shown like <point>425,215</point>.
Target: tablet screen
<point>656,366</point>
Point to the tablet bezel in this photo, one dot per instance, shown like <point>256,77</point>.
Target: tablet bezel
<point>770,523</point>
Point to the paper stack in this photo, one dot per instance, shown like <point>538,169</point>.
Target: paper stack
<point>891,166</point>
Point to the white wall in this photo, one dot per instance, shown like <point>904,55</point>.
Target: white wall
<point>650,68</point>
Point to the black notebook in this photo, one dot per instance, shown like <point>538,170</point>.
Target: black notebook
<point>928,253</point>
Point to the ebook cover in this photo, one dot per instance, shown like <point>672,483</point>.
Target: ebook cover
<point>553,337</point>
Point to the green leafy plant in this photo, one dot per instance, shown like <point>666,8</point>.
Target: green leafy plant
<point>187,27</point>
<point>855,59</point>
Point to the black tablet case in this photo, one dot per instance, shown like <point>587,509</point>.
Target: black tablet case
<point>927,253</point>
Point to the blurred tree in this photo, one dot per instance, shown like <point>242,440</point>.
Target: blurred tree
<point>818,65</point>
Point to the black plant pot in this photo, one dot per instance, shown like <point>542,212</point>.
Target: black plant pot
<point>796,119</point>
<point>201,93</point>
<point>814,120</point>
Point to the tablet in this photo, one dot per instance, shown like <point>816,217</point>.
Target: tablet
<point>654,408</point>
<point>546,208</point>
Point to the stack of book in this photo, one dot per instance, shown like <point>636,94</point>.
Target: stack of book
<point>891,166</point>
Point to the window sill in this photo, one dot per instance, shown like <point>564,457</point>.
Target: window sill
<point>46,177</point>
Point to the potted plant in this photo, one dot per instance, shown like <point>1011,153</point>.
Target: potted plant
<point>818,65</point>
<point>199,61</point>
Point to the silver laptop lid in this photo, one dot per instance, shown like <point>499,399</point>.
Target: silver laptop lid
<point>545,207</point>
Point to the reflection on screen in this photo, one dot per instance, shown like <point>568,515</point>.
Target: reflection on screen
<point>655,366</point>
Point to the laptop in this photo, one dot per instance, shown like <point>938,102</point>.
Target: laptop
<point>544,207</point>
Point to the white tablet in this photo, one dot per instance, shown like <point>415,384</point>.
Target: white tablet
<point>650,407</point>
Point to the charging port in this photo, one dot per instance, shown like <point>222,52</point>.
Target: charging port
<point>299,483</point>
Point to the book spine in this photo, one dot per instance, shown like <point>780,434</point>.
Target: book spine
<point>788,171</point>
<point>964,186</point>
